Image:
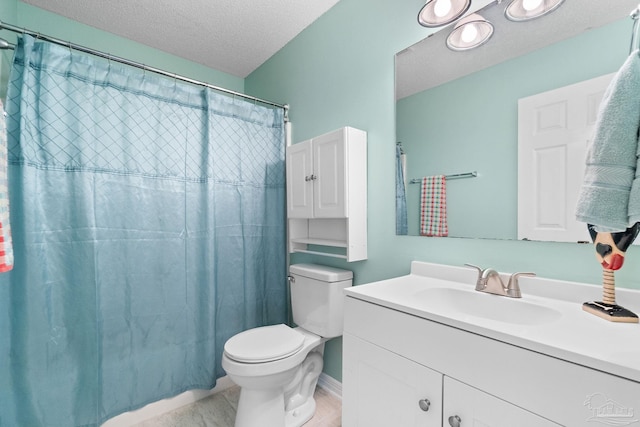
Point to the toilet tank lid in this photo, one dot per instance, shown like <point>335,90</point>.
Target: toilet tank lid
<point>321,272</point>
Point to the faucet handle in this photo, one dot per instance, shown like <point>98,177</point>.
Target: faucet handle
<point>513,287</point>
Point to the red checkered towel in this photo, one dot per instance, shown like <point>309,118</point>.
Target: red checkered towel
<point>433,207</point>
<point>6,247</point>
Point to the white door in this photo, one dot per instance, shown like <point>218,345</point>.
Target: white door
<point>554,131</point>
<point>329,170</point>
<point>383,389</point>
<point>299,181</point>
<point>467,406</point>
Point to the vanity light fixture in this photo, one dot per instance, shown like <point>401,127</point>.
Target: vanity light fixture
<point>524,10</point>
<point>469,33</point>
<point>436,13</point>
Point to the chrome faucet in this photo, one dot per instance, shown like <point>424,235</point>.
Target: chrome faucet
<point>489,281</point>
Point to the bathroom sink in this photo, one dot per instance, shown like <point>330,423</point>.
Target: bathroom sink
<point>488,306</point>
<point>548,319</point>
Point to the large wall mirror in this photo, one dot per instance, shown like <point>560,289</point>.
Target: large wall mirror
<point>457,112</point>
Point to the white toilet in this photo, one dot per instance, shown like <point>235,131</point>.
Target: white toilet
<point>277,367</point>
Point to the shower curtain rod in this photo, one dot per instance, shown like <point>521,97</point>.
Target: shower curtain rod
<point>15,29</point>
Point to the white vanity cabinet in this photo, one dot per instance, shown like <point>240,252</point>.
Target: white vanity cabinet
<point>393,359</point>
<point>327,194</point>
<point>381,389</point>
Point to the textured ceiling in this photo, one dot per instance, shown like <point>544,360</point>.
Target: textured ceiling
<point>233,36</point>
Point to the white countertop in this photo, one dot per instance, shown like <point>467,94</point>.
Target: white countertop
<point>569,334</point>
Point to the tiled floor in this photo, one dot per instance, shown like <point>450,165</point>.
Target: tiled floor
<point>219,410</point>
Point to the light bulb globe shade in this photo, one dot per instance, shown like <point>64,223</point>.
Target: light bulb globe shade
<point>469,33</point>
<point>436,13</point>
<point>525,10</point>
<point>530,5</point>
<point>442,8</point>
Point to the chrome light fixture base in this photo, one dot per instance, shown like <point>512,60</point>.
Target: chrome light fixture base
<point>436,13</point>
<point>525,10</point>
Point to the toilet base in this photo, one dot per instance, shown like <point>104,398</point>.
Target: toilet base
<point>260,408</point>
<point>266,409</point>
<point>299,402</point>
<point>301,414</point>
<point>282,400</point>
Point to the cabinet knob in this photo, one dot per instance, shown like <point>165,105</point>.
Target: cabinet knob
<point>310,177</point>
<point>424,404</point>
<point>455,421</point>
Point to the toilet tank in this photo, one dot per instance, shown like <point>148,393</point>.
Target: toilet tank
<point>317,298</point>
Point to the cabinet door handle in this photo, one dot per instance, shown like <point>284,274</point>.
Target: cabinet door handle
<point>424,404</point>
<point>455,421</point>
<point>310,177</point>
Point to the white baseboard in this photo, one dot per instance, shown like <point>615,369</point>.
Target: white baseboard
<point>331,385</point>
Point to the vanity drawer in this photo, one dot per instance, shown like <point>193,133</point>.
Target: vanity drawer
<point>561,391</point>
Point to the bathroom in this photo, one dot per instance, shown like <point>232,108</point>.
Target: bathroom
<point>340,72</point>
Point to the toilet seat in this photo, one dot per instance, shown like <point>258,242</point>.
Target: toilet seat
<point>264,344</point>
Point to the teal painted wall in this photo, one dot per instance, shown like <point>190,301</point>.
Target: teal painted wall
<point>8,13</point>
<point>472,124</point>
<point>340,71</point>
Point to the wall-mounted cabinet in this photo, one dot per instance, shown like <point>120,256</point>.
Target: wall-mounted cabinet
<point>327,195</point>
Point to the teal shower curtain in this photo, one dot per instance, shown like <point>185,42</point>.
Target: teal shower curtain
<point>401,197</point>
<point>148,225</point>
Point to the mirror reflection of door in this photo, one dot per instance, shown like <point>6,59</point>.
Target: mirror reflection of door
<point>554,131</point>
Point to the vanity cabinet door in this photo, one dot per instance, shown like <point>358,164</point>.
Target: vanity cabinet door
<point>382,389</point>
<point>468,406</point>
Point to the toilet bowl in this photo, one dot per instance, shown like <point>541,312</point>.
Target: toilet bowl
<point>277,367</point>
<point>272,388</point>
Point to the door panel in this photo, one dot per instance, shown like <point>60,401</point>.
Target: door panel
<point>554,131</point>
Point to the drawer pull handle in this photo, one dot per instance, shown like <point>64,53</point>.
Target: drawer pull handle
<point>455,421</point>
<point>424,404</point>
